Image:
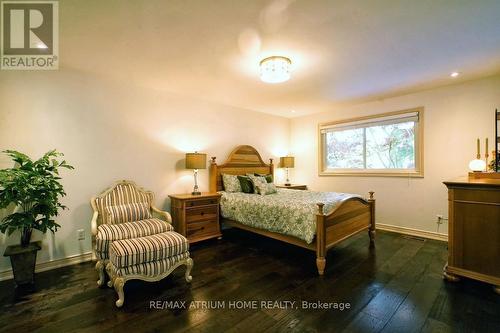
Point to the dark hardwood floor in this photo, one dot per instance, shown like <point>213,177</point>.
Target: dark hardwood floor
<point>394,287</point>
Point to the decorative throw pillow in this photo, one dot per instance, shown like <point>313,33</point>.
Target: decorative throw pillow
<point>267,188</point>
<point>127,213</point>
<point>256,181</point>
<point>246,184</point>
<point>231,183</point>
<point>269,177</point>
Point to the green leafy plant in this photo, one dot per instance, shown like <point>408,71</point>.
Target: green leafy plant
<point>34,188</point>
<point>492,165</point>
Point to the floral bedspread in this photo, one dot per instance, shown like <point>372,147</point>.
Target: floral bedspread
<point>289,212</point>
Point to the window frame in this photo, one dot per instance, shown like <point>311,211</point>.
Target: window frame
<point>418,172</point>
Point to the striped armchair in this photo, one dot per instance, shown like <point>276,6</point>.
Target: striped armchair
<point>132,239</point>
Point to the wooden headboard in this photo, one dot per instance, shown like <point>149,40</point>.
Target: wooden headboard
<point>242,160</point>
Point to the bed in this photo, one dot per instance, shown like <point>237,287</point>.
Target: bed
<point>313,220</point>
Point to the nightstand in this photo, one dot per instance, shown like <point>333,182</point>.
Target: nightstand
<point>196,216</point>
<point>293,186</point>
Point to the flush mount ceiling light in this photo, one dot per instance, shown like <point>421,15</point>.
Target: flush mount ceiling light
<point>275,69</point>
<point>455,74</point>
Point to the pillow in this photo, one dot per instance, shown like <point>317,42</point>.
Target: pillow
<point>231,183</point>
<point>246,184</point>
<point>127,213</point>
<point>269,177</point>
<point>256,181</point>
<point>267,188</point>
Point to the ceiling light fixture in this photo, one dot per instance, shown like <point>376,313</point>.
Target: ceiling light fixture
<point>275,69</point>
<point>455,74</point>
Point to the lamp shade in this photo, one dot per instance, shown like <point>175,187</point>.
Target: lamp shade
<point>287,162</point>
<point>196,161</point>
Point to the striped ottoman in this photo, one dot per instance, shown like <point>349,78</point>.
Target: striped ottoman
<point>149,258</point>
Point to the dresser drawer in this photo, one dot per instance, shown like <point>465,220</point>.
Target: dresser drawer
<point>201,214</point>
<point>201,202</point>
<point>477,195</point>
<point>200,229</point>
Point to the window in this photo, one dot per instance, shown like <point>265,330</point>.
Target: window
<point>383,145</point>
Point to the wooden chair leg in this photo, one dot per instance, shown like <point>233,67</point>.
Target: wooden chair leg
<point>111,280</point>
<point>119,283</point>
<point>189,266</point>
<point>99,266</point>
<point>321,264</point>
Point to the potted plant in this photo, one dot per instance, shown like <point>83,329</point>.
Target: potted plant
<point>33,189</point>
<point>492,165</point>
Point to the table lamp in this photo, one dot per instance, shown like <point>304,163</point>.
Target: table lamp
<point>287,162</point>
<point>196,161</point>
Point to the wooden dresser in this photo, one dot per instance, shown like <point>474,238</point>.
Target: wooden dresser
<point>196,216</point>
<point>474,230</point>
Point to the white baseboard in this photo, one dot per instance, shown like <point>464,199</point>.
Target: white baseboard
<point>413,232</point>
<point>48,265</point>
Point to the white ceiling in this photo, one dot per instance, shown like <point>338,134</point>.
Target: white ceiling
<point>342,51</point>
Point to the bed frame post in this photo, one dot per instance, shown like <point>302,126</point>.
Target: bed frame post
<point>271,167</point>
<point>371,230</point>
<point>213,175</point>
<point>320,240</point>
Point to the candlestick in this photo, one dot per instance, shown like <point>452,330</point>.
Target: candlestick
<point>478,156</point>
<point>486,154</point>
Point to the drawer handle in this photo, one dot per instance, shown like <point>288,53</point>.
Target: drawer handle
<point>202,213</point>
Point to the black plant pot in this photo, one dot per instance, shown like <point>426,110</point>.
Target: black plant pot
<point>23,259</point>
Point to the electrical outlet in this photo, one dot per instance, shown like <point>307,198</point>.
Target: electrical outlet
<point>80,234</point>
<point>440,219</point>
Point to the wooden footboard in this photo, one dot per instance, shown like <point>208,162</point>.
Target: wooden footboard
<point>351,216</point>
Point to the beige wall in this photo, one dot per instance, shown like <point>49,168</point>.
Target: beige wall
<point>454,117</point>
<point>110,131</point>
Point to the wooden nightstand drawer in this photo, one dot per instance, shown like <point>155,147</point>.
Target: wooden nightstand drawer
<point>201,214</point>
<point>202,202</point>
<point>201,229</point>
<point>196,216</point>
